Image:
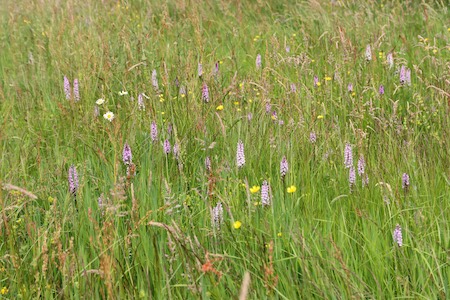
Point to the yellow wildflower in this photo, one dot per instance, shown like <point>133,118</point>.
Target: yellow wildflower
<point>320,117</point>
<point>4,290</point>
<point>291,189</point>
<point>237,224</point>
<point>220,107</point>
<point>254,189</point>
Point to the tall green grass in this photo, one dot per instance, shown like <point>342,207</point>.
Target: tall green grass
<point>153,237</point>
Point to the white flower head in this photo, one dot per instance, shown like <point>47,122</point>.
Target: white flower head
<point>122,93</point>
<point>109,116</point>
<point>100,101</point>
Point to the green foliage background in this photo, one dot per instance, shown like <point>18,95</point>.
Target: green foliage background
<point>153,238</point>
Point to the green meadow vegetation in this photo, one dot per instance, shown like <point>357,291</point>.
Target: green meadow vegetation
<point>224,149</point>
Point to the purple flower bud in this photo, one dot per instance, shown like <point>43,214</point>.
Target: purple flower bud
<point>316,81</point>
<point>200,70</point>
<point>153,131</point>
<point>293,88</point>
<point>408,76</point>
<point>73,180</point>
<point>217,215</point>
<point>208,164</point>
<point>216,68</point>
<point>183,90</point>
<point>258,61</point>
<point>312,137</point>
<point>405,181</point>
<point>67,88</point>
<point>126,154</point>
<point>288,49</point>
<point>76,90</point>
<point>390,60</point>
<point>274,115</point>
<point>350,88</point>
<point>176,151</point>
<point>284,167</point>
<point>381,90</point>
<point>249,116</point>
<point>240,156</point>
<point>351,176</point>
<point>268,107</point>
<point>348,156</point>
<point>397,235</point>
<point>402,74</point>
<point>177,82</point>
<point>155,80</point>
<point>205,93</point>
<point>100,202</point>
<point>265,193</point>
<point>368,53</point>
<point>361,165</point>
<point>141,104</point>
<point>167,147</point>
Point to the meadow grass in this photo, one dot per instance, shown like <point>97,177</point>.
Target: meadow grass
<point>155,232</point>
